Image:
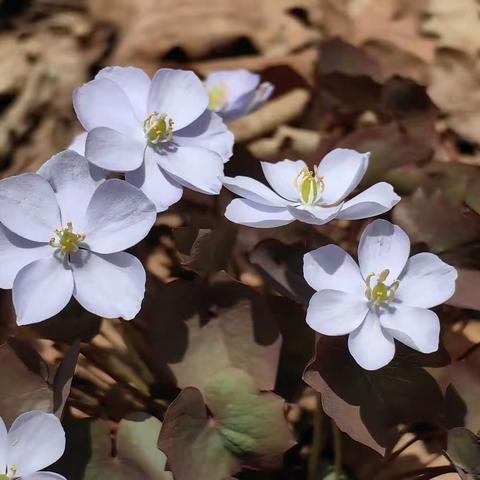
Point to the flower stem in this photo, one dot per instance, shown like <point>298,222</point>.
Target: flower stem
<point>317,441</point>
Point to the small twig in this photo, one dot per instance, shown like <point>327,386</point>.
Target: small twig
<point>317,441</point>
<point>337,450</point>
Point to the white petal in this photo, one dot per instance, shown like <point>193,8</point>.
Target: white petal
<point>377,199</point>
<point>134,82</point>
<point>102,103</point>
<point>263,93</point>
<point>78,144</point>
<point>44,476</point>
<point>246,212</point>
<point>209,132</point>
<point>371,346</point>
<point>195,168</point>
<point>162,190</point>
<point>383,246</point>
<point>118,216</point>
<point>28,207</point>
<point>3,447</point>
<point>179,94</point>
<point>42,289</point>
<point>418,328</point>
<point>69,175</point>
<point>254,190</point>
<point>36,440</point>
<point>238,83</point>
<point>110,286</point>
<point>113,150</point>
<point>332,312</point>
<point>426,281</point>
<point>315,214</point>
<point>15,253</point>
<point>331,267</point>
<point>282,177</point>
<point>342,170</point>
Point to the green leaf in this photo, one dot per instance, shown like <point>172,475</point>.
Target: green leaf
<point>251,423</point>
<point>193,445</point>
<point>137,438</point>
<point>246,428</point>
<point>463,448</point>
<point>92,452</point>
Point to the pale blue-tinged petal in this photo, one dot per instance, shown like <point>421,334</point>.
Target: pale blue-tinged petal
<point>78,143</point>
<point>370,345</point>
<point>102,103</point>
<point>209,132</point>
<point>36,440</point>
<point>114,151</point>
<point>70,176</point>
<point>161,189</point>
<point>314,214</point>
<point>377,199</point>
<point>331,312</point>
<point>28,207</point>
<point>426,281</point>
<point>15,253</point>
<point>254,190</point>
<point>110,286</point>
<point>341,169</point>
<point>195,168</point>
<point>118,216</point>
<point>178,93</point>
<point>251,214</point>
<point>44,476</point>
<point>3,447</point>
<point>282,177</point>
<point>417,328</point>
<point>42,289</point>
<point>134,82</point>
<point>332,268</point>
<point>383,246</point>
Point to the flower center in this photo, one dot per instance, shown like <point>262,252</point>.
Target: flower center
<point>380,293</point>
<point>68,240</point>
<point>158,128</point>
<point>309,185</point>
<point>218,96</point>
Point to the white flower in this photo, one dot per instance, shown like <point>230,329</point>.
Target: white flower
<point>62,232</point>
<point>312,197</point>
<point>159,132</point>
<point>387,298</point>
<point>235,93</point>
<point>35,441</point>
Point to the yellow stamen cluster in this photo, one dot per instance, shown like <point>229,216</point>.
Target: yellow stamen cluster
<point>68,241</point>
<point>218,96</point>
<point>309,185</point>
<point>157,129</point>
<point>380,293</point>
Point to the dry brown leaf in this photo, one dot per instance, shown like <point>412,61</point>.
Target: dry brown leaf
<point>456,24</point>
<point>277,112</point>
<point>153,29</point>
<point>364,21</point>
<point>455,88</point>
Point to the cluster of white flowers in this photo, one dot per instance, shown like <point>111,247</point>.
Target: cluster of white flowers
<point>64,229</point>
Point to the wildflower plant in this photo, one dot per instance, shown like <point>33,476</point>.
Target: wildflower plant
<point>192,383</point>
